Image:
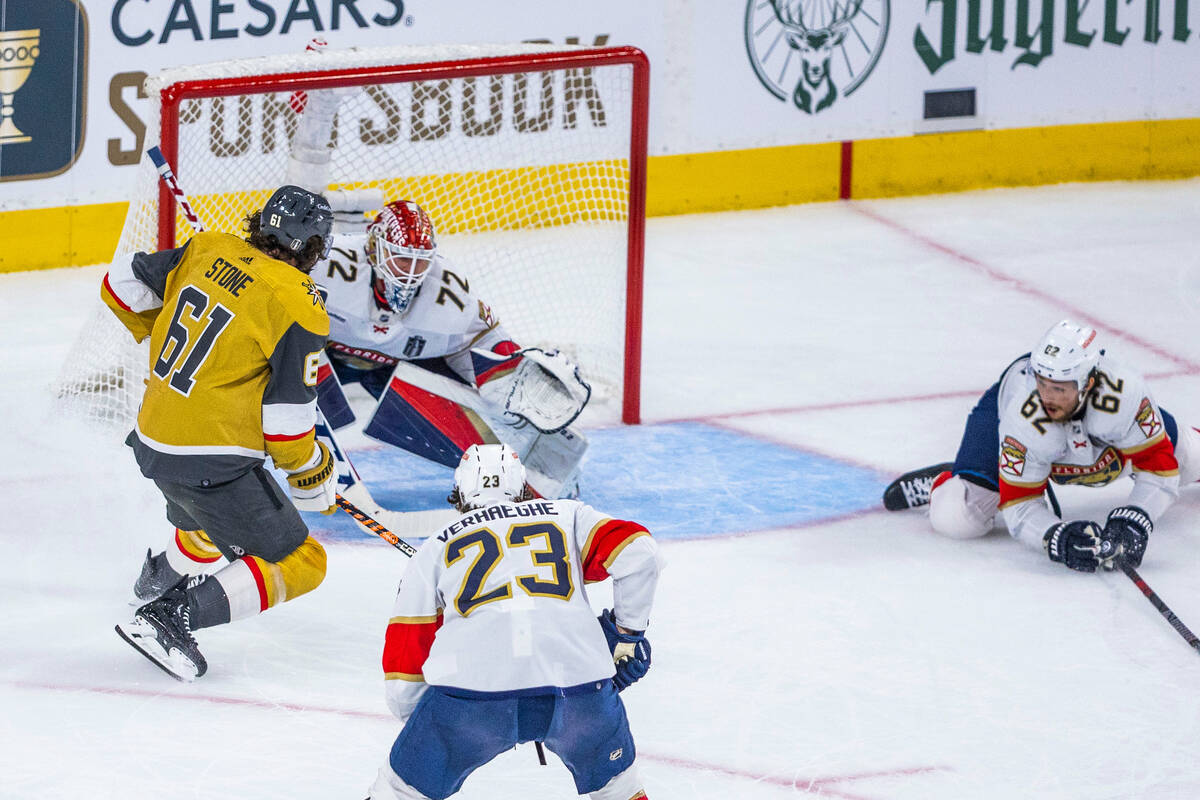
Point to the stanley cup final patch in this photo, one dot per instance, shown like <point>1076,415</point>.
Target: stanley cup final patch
<point>1147,419</point>
<point>1012,457</point>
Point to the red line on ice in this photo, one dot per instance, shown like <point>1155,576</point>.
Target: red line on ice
<point>867,402</point>
<point>1019,285</point>
<point>814,785</point>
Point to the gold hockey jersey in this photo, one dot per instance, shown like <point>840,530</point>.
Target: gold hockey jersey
<point>235,338</point>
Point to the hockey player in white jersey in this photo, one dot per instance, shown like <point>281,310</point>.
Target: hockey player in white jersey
<point>1067,413</point>
<point>395,301</point>
<point>492,641</point>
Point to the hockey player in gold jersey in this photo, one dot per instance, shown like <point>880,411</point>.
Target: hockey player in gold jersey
<point>236,328</point>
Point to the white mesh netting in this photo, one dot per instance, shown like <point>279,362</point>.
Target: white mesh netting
<point>526,176</point>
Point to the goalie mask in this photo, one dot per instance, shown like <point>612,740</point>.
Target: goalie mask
<point>487,474</point>
<point>400,247</point>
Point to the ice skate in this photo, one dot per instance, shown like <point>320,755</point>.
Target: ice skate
<point>156,577</point>
<point>912,489</point>
<point>160,631</point>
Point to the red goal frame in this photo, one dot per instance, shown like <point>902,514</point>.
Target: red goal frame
<point>174,94</point>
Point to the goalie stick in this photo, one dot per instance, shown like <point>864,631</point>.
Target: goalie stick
<point>355,500</point>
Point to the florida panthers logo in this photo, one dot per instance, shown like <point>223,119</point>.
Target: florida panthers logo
<point>806,49</point>
<point>1012,457</point>
<point>1147,419</point>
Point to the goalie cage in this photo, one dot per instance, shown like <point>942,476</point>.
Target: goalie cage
<point>529,158</point>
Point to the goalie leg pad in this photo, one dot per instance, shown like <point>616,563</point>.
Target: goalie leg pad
<point>553,462</point>
<point>330,397</point>
<point>426,424</point>
<point>438,419</point>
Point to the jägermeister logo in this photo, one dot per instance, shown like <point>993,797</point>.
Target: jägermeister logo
<point>812,52</point>
<point>1031,28</point>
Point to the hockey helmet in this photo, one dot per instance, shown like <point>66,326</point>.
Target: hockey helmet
<point>1067,352</point>
<point>401,246</point>
<point>489,473</point>
<point>294,215</point>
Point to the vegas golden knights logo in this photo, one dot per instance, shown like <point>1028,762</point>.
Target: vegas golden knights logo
<point>813,52</point>
<point>19,51</point>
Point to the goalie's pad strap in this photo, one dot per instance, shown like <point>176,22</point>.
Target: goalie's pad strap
<point>426,424</point>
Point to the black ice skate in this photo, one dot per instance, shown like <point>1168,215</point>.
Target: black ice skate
<point>912,489</point>
<point>160,631</point>
<point>156,577</point>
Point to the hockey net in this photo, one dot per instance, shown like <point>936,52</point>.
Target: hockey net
<point>530,159</point>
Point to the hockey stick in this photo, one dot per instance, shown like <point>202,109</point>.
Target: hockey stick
<point>372,525</point>
<point>421,523</point>
<point>168,177</point>
<point>353,494</point>
<point>1157,602</point>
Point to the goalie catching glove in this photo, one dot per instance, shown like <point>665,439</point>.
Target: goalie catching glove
<point>544,390</point>
<point>314,488</point>
<point>631,651</point>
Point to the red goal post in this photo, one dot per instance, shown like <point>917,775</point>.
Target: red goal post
<point>531,160</point>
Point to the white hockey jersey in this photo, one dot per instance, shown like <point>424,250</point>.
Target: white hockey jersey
<point>444,320</point>
<point>1120,424</point>
<point>496,602</point>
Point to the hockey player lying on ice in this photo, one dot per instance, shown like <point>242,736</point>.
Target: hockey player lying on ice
<point>1069,414</point>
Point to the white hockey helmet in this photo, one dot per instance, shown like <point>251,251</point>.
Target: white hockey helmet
<point>1067,352</point>
<point>489,473</point>
<point>400,246</point>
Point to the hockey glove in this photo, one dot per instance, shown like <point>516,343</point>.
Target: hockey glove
<point>631,651</point>
<point>1081,545</point>
<point>1130,527</point>
<point>315,487</point>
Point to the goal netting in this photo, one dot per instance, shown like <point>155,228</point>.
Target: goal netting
<point>530,159</point>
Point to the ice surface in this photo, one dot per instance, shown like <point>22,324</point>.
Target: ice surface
<point>806,643</point>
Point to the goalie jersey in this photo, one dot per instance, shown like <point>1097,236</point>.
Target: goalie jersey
<point>444,320</point>
<point>496,602</point>
<point>1120,424</point>
<point>235,338</point>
